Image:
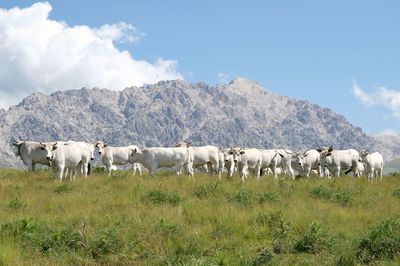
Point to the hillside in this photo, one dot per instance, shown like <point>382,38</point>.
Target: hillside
<point>240,113</point>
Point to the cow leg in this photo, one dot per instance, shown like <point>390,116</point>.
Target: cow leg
<point>60,172</point>
<point>210,168</point>
<point>308,171</point>
<point>274,171</point>
<point>30,166</point>
<point>189,169</point>
<point>337,172</point>
<point>134,169</point>
<point>291,171</point>
<point>139,168</point>
<point>33,167</point>
<point>153,169</point>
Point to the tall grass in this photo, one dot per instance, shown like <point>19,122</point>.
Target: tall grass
<point>171,220</point>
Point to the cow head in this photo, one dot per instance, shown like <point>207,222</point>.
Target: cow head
<point>323,154</point>
<point>134,155</point>
<point>236,152</point>
<point>48,147</point>
<point>300,157</point>
<point>183,144</point>
<point>100,145</point>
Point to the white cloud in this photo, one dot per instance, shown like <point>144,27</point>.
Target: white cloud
<point>121,32</point>
<point>40,54</point>
<point>381,96</point>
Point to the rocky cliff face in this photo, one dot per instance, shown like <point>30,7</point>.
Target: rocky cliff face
<point>240,113</point>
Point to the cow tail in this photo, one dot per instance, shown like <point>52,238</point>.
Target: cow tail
<point>348,171</point>
<point>89,166</point>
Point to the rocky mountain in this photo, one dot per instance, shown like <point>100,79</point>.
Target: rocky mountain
<point>240,113</point>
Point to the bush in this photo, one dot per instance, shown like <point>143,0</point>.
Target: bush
<point>161,197</point>
<point>208,190</point>
<point>242,196</point>
<point>396,193</point>
<point>166,228</point>
<point>315,240</point>
<point>264,257</point>
<point>267,197</point>
<point>62,188</point>
<point>280,229</point>
<point>16,203</point>
<point>341,197</point>
<point>43,238</point>
<point>107,242</point>
<point>382,241</point>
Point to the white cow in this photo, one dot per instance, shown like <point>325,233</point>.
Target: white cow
<point>86,150</point>
<point>158,157</point>
<point>373,164</point>
<point>203,155</point>
<point>66,156</point>
<point>284,160</point>
<point>336,160</point>
<point>247,159</point>
<point>33,153</point>
<point>270,161</point>
<point>228,162</point>
<point>307,161</point>
<point>111,156</point>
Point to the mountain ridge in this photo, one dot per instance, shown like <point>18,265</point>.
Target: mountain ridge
<point>240,113</point>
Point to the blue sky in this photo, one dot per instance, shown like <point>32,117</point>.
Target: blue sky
<point>321,51</point>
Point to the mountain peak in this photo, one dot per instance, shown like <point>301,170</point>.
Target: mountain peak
<point>240,85</point>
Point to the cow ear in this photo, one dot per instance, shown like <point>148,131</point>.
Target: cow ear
<point>230,152</point>
<point>328,154</point>
<point>55,146</point>
<point>105,145</point>
<point>242,152</point>
<point>189,144</point>
<point>330,149</point>
<point>305,154</point>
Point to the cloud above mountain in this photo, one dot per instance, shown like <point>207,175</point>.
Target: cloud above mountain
<point>380,96</point>
<point>41,54</point>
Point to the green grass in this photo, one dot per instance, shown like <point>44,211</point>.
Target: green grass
<point>169,220</point>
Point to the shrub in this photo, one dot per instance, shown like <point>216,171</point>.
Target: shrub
<point>16,203</point>
<point>166,228</point>
<point>341,197</point>
<point>208,190</point>
<point>280,229</point>
<point>396,193</point>
<point>382,241</point>
<point>242,196</point>
<point>264,257</point>
<point>161,197</point>
<point>315,240</point>
<point>62,188</point>
<point>267,197</point>
<point>107,242</point>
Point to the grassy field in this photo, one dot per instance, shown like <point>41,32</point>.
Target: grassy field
<point>169,220</point>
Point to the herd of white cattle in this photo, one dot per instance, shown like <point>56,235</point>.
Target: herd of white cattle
<point>71,158</point>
